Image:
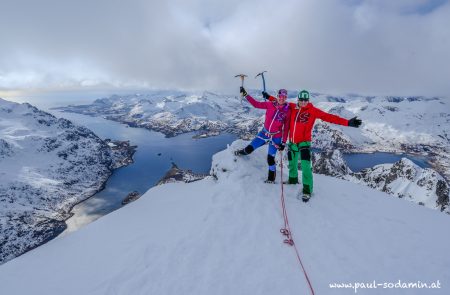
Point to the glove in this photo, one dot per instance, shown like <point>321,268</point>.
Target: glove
<point>281,146</point>
<point>243,92</point>
<point>265,95</point>
<point>354,122</point>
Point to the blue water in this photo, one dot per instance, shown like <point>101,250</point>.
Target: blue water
<point>360,161</point>
<point>148,167</point>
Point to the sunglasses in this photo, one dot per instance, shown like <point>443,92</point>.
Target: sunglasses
<point>303,99</point>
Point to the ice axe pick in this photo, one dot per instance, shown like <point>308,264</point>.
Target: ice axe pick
<point>242,78</point>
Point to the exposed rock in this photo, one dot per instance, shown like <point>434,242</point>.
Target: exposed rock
<point>442,191</point>
<point>176,174</point>
<point>330,163</point>
<point>6,149</point>
<point>131,197</point>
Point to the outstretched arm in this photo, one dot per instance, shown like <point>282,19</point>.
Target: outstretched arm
<point>331,118</point>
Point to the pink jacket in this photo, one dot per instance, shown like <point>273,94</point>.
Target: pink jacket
<point>277,116</point>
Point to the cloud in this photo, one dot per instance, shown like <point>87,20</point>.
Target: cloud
<point>373,47</point>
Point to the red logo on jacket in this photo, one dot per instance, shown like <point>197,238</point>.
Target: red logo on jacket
<point>303,117</point>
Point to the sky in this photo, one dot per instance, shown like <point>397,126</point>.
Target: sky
<point>374,47</point>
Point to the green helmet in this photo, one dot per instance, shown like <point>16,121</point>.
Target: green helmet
<point>303,95</point>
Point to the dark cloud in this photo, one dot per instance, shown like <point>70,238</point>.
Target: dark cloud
<point>335,46</point>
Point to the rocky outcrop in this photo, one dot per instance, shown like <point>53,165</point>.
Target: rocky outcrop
<point>330,163</point>
<point>176,174</point>
<point>131,197</point>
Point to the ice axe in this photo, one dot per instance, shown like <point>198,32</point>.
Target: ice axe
<point>242,78</point>
<point>264,80</point>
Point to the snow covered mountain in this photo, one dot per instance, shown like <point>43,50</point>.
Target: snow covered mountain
<point>47,165</point>
<point>402,179</point>
<point>174,113</point>
<point>221,235</point>
<point>414,125</point>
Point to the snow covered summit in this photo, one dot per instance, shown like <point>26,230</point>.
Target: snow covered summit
<point>220,235</point>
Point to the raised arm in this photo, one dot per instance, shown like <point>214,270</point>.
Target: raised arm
<point>252,101</point>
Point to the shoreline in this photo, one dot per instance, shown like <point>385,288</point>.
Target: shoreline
<point>125,162</point>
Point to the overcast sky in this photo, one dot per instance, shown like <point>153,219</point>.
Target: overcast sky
<point>399,47</point>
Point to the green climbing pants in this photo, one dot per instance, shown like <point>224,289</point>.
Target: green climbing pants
<point>304,150</point>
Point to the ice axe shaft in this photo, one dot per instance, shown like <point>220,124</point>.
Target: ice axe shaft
<point>242,76</point>
<point>264,80</point>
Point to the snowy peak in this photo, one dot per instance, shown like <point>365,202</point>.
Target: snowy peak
<point>405,179</point>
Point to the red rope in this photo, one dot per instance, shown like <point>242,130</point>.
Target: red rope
<point>287,230</point>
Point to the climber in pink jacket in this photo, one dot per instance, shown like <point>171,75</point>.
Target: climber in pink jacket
<point>275,130</point>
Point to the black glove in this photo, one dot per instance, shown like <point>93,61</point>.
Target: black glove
<point>265,95</point>
<point>243,92</point>
<point>281,146</point>
<point>354,122</point>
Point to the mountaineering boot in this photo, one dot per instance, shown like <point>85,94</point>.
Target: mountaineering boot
<point>245,151</point>
<point>270,177</point>
<point>239,152</point>
<point>303,196</point>
<point>306,197</point>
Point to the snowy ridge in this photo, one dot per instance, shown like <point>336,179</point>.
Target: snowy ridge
<point>47,165</point>
<point>221,236</point>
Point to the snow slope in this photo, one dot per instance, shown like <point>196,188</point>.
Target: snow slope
<point>221,236</point>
